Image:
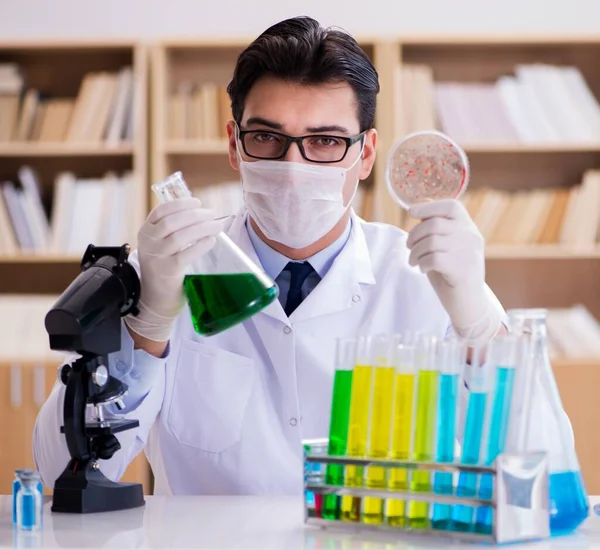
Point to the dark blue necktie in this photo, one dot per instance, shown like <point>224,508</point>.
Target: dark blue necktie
<point>299,271</point>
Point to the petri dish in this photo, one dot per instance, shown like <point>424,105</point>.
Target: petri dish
<point>426,166</point>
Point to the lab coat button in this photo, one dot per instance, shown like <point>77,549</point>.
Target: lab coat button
<point>293,422</point>
<point>356,298</point>
<point>287,330</point>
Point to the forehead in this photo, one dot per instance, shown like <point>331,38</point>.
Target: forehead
<point>298,106</point>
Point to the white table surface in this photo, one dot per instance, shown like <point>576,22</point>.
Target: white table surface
<point>233,523</point>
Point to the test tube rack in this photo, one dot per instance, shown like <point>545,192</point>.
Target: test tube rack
<point>519,503</point>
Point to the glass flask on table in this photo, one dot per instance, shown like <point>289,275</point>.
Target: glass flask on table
<point>224,287</point>
<point>544,425</point>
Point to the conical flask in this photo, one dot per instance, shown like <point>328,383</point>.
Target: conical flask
<point>543,425</point>
<point>223,287</point>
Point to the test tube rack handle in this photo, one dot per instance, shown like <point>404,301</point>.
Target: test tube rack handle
<point>519,502</point>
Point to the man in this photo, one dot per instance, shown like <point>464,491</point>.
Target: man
<point>227,414</point>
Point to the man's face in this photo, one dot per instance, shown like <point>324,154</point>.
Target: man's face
<point>298,110</point>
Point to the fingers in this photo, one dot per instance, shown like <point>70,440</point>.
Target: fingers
<point>447,208</point>
<point>432,226</point>
<point>439,262</point>
<point>431,244</point>
<point>172,207</point>
<point>187,236</point>
<point>175,222</point>
<point>186,257</point>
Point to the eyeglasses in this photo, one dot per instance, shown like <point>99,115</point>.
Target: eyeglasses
<point>267,145</point>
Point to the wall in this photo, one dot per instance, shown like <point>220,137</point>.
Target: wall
<point>150,19</point>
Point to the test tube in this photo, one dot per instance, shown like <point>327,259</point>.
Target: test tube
<point>380,423</point>
<point>358,428</point>
<point>338,427</point>
<point>403,359</point>
<point>479,381</point>
<point>29,502</point>
<point>451,360</point>
<point>313,472</point>
<point>16,487</point>
<point>425,426</point>
<point>502,356</point>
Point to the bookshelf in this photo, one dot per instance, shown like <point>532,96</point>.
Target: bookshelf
<point>188,83</point>
<point>74,108</point>
<point>471,87</point>
<point>77,108</point>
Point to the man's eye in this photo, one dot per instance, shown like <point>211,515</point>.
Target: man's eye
<point>264,137</point>
<point>326,142</point>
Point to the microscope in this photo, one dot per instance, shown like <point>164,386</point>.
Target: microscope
<point>86,319</point>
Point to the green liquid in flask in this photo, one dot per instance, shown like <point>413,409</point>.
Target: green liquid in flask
<point>220,301</point>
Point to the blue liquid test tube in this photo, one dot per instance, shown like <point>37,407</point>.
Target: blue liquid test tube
<point>479,382</point>
<point>451,357</point>
<point>29,502</point>
<point>503,356</point>
<point>16,487</point>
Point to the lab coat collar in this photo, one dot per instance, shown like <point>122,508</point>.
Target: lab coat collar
<point>337,291</point>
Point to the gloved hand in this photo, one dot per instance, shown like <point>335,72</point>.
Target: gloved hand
<point>174,234</point>
<point>448,247</point>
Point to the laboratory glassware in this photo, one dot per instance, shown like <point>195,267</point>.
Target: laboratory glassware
<point>29,502</point>
<point>380,422</point>
<point>358,426</point>
<point>479,381</point>
<point>451,357</point>
<point>541,419</point>
<point>338,425</point>
<point>224,287</point>
<point>426,166</point>
<point>403,359</point>
<point>504,356</point>
<point>424,427</point>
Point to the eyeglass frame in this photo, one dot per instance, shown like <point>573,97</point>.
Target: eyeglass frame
<point>350,141</point>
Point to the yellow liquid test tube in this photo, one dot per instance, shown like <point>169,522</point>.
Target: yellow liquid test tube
<point>402,429</point>
<point>379,424</point>
<point>358,426</point>
<point>424,426</point>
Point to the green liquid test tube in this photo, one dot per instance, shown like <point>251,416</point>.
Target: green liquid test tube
<point>358,427</point>
<point>403,357</point>
<point>338,428</point>
<point>424,427</point>
<point>380,424</point>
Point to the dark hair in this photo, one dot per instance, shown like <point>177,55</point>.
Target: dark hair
<point>300,50</point>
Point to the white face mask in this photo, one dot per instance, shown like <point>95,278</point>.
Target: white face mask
<point>293,203</point>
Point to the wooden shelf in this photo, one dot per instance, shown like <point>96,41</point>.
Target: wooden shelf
<point>555,252</point>
<point>527,148</point>
<point>205,162</point>
<point>58,70</point>
<point>63,150</point>
<point>40,259</point>
<point>196,147</point>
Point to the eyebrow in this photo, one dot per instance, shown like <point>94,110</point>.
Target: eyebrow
<point>312,129</point>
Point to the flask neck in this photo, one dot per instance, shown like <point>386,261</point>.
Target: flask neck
<point>531,323</point>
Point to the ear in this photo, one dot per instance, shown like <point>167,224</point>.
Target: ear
<point>368,154</point>
<point>233,159</point>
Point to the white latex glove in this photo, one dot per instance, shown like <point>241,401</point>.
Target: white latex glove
<point>448,247</point>
<point>173,236</point>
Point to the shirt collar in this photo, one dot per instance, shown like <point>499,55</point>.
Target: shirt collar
<point>273,262</point>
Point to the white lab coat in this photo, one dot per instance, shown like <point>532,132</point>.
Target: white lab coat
<point>227,414</point>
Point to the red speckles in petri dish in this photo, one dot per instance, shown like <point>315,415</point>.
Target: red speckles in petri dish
<point>426,166</point>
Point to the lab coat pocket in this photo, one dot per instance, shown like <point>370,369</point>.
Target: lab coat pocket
<point>211,389</point>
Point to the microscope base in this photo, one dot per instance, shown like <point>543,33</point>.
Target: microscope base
<point>89,491</point>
